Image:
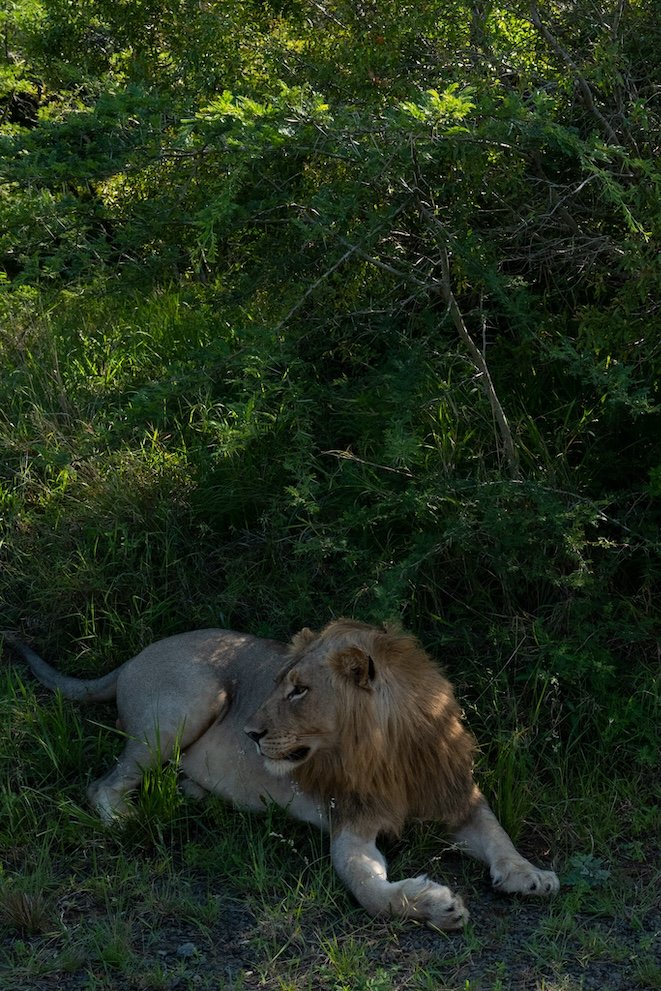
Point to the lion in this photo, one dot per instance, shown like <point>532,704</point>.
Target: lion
<point>353,728</point>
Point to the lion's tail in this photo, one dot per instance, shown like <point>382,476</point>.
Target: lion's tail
<point>93,690</point>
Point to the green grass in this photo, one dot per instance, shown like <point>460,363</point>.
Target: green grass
<point>202,894</point>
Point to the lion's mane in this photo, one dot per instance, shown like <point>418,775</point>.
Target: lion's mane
<point>401,750</point>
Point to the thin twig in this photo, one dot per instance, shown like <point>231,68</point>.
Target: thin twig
<point>480,363</point>
<point>350,456</point>
<point>477,357</point>
<point>385,267</point>
<point>297,305</point>
<point>617,18</point>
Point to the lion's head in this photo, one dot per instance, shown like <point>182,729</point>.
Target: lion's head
<point>365,721</point>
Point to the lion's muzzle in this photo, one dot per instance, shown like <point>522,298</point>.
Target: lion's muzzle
<point>295,755</point>
<point>255,735</point>
<point>292,756</point>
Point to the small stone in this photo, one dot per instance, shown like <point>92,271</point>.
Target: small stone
<point>187,950</point>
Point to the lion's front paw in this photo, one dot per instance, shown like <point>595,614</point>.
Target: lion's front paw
<point>518,876</point>
<point>432,903</point>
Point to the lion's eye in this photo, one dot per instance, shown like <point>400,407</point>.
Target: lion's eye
<point>297,692</point>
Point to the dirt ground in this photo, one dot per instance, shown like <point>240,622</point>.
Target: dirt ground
<point>511,945</point>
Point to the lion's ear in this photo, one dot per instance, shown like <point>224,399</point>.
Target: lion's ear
<point>301,639</point>
<point>355,665</point>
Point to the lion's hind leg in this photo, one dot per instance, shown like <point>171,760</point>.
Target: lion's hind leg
<point>153,733</point>
<point>482,836</point>
<point>362,868</point>
<point>108,794</point>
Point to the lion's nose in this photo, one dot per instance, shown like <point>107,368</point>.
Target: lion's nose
<point>255,734</point>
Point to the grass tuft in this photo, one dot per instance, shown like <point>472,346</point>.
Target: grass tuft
<point>25,911</point>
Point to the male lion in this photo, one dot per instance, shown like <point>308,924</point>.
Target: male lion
<point>353,728</point>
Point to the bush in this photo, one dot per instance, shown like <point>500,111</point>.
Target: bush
<point>291,334</point>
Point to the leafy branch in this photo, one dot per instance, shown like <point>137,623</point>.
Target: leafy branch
<point>581,81</point>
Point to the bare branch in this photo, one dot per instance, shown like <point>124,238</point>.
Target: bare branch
<point>444,286</point>
<point>352,250</point>
<point>617,18</point>
<point>350,456</point>
<point>478,359</point>
<point>385,267</point>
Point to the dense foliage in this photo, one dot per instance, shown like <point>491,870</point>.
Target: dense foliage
<point>339,308</point>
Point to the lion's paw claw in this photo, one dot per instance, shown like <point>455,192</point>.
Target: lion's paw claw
<point>518,876</point>
<point>433,904</point>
